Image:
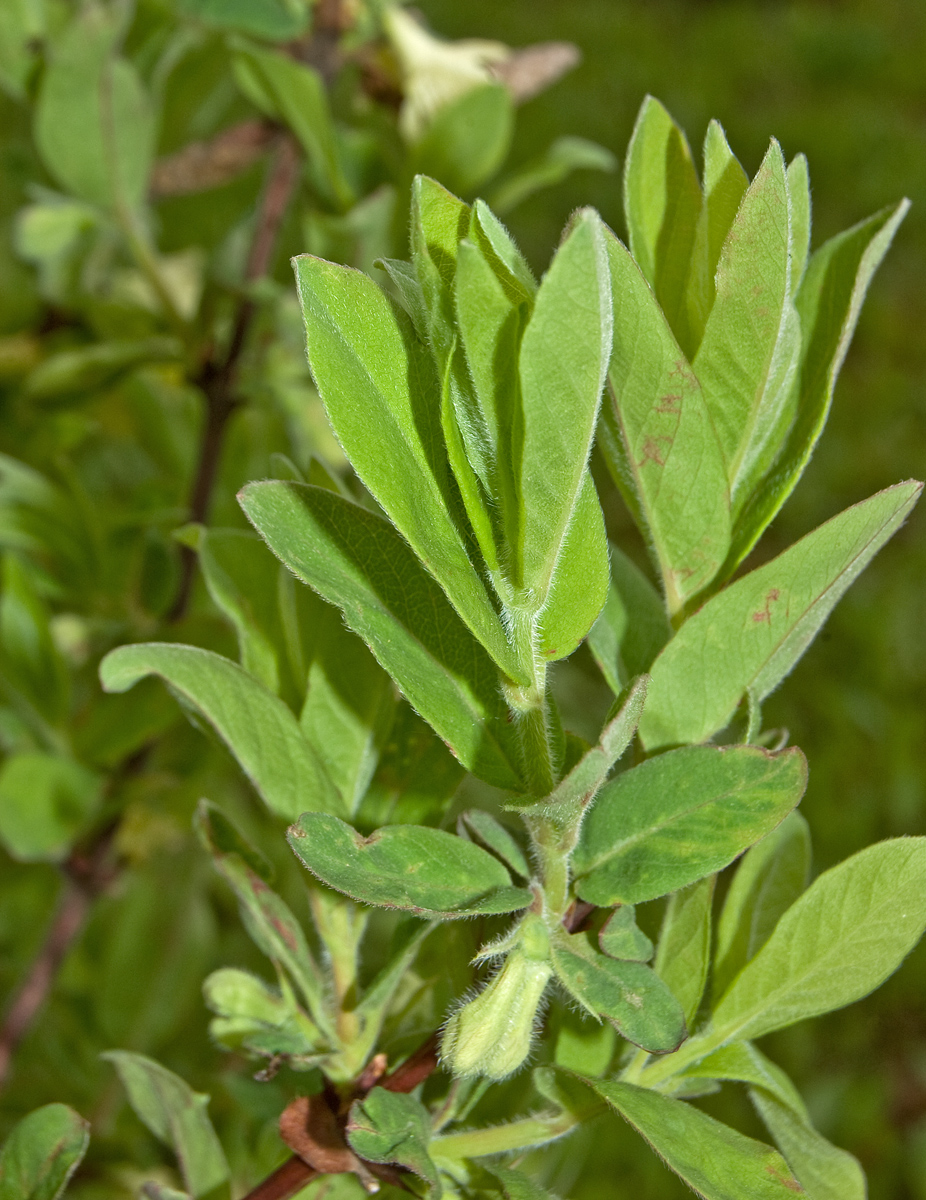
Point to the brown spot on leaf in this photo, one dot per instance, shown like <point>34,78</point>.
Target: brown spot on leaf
<point>654,450</point>
<point>785,1180</point>
<point>765,614</point>
<point>670,403</point>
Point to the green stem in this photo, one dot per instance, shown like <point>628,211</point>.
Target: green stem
<point>535,750</point>
<point>500,1139</point>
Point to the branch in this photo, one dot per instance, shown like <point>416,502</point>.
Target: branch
<point>288,1179</point>
<point>217,378</point>
<point>86,876</point>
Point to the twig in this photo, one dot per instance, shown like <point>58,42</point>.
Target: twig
<point>217,378</point>
<point>86,876</point>
<point>289,1178</point>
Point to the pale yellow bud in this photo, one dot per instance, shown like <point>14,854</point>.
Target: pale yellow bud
<point>492,1034</point>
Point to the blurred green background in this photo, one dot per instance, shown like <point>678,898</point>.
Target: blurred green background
<point>845,82</point>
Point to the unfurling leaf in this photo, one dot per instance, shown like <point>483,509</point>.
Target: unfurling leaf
<point>388,1127</point>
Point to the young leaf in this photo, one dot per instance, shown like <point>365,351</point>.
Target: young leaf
<point>799,193</point>
<point>845,935</point>
<point>749,352</point>
<point>382,395</point>
<point>659,442</point>
<point>94,124</point>
<point>767,882</point>
<point>348,711</point>
<point>750,636</point>
<point>357,561</point>
<point>256,726</point>
<point>632,997</point>
<point>268,920</point>
<point>621,937</point>
<point>829,301</point>
<point>684,953</point>
<point>680,816</point>
<point>496,837</point>
<point>298,95</point>
<point>563,360</point>
<point>715,1161</point>
<point>469,138</point>
<point>743,1063</point>
<point>426,871</point>
<point>45,802</point>
<point>177,1116</point>
<point>388,1127</point>
<point>725,183</point>
<point>42,1152</point>
<point>632,628</point>
<point>662,203</point>
<point>824,1171</point>
<point>254,1017</point>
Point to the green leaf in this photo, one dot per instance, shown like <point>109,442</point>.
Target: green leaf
<point>79,373</point>
<point>268,920</point>
<point>829,301</point>
<point>799,193</point>
<point>620,937</point>
<point>425,871</point>
<point>743,1063</point>
<point>382,396</point>
<point>725,183</point>
<point>31,663</point>
<point>824,1171</point>
<point>94,124</point>
<point>496,837</point>
<point>659,442</point>
<point>684,953</point>
<point>254,1017</point>
<point>749,637</point>
<point>22,27</point>
<point>563,361</point>
<point>241,575</point>
<point>845,935</point>
<point>680,816</point>
<point>256,726</point>
<point>469,138</point>
<point>357,561</point>
<point>45,803</point>
<point>348,711</point>
<point>177,1116</point>
<point>388,1127</point>
<point>662,202</point>
<point>42,1152</point>
<point>558,161</point>
<point>298,95</point>
<point>715,1161</point>
<point>632,997</point>
<point>275,20</point>
<point>515,1185</point>
<point>751,344</point>
<point>767,882</point>
<point>632,628</point>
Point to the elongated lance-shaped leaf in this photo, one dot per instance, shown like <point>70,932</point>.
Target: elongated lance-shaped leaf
<point>177,1116</point>
<point>741,1062</point>
<point>564,357</point>
<point>680,816</point>
<point>662,203</point>
<point>828,302</point>
<point>42,1152</point>
<point>801,212</point>
<point>769,879</point>
<point>571,797</point>
<point>629,994</point>
<point>579,587</point>
<point>267,918</point>
<point>659,442</point>
<point>714,1160</point>
<point>632,628</point>
<point>382,394</point>
<point>496,837</point>
<point>377,998</point>
<point>356,560</point>
<point>749,637</point>
<point>749,352</point>
<point>257,727</point>
<point>684,953</point>
<point>725,183</point>
<point>846,934</point>
<point>824,1171</point>
<point>425,871</point>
